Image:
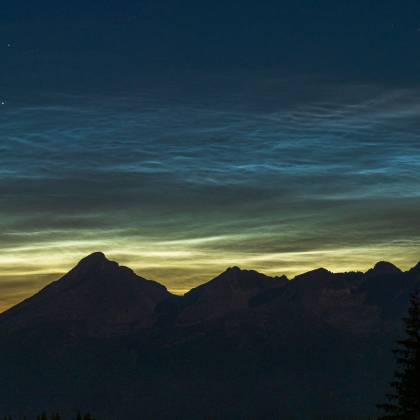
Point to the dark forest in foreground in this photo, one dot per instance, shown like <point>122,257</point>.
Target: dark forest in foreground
<point>242,346</point>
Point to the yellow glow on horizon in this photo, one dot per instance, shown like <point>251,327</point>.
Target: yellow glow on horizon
<point>180,264</point>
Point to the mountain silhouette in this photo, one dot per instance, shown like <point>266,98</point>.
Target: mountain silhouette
<point>99,295</point>
<point>384,268</point>
<point>243,345</point>
<point>229,292</point>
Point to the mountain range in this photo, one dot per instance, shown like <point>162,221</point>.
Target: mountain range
<point>241,346</point>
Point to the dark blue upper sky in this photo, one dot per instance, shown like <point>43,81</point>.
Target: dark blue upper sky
<point>83,41</point>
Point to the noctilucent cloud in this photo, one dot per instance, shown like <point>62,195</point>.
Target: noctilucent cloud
<point>181,138</point>
<point>180,189</point>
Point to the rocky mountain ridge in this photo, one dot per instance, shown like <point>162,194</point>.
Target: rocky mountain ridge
<point>109,299</point>
<point>243,345</point>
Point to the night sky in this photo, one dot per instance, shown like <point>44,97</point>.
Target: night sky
<point>184,137</point>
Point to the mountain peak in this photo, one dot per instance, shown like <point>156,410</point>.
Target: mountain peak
<point>416,268</point>
<point>228,292</point>
<point>383,268</point>
<point>92,260</point>
<point>100,294</point>
<point>317,273</point>
<point>89,266</point>
<point>95,256</point>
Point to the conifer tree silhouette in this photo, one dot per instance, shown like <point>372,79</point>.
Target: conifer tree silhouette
<point>87,416</point>
<point>406,399</point>
<point>43,416</point>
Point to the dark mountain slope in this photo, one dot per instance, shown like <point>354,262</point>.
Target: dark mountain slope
<point>229,292</point>
<point>99,295</point>
<point>241,346</point>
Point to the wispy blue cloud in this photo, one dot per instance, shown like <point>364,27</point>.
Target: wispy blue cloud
<point>241,177</point>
